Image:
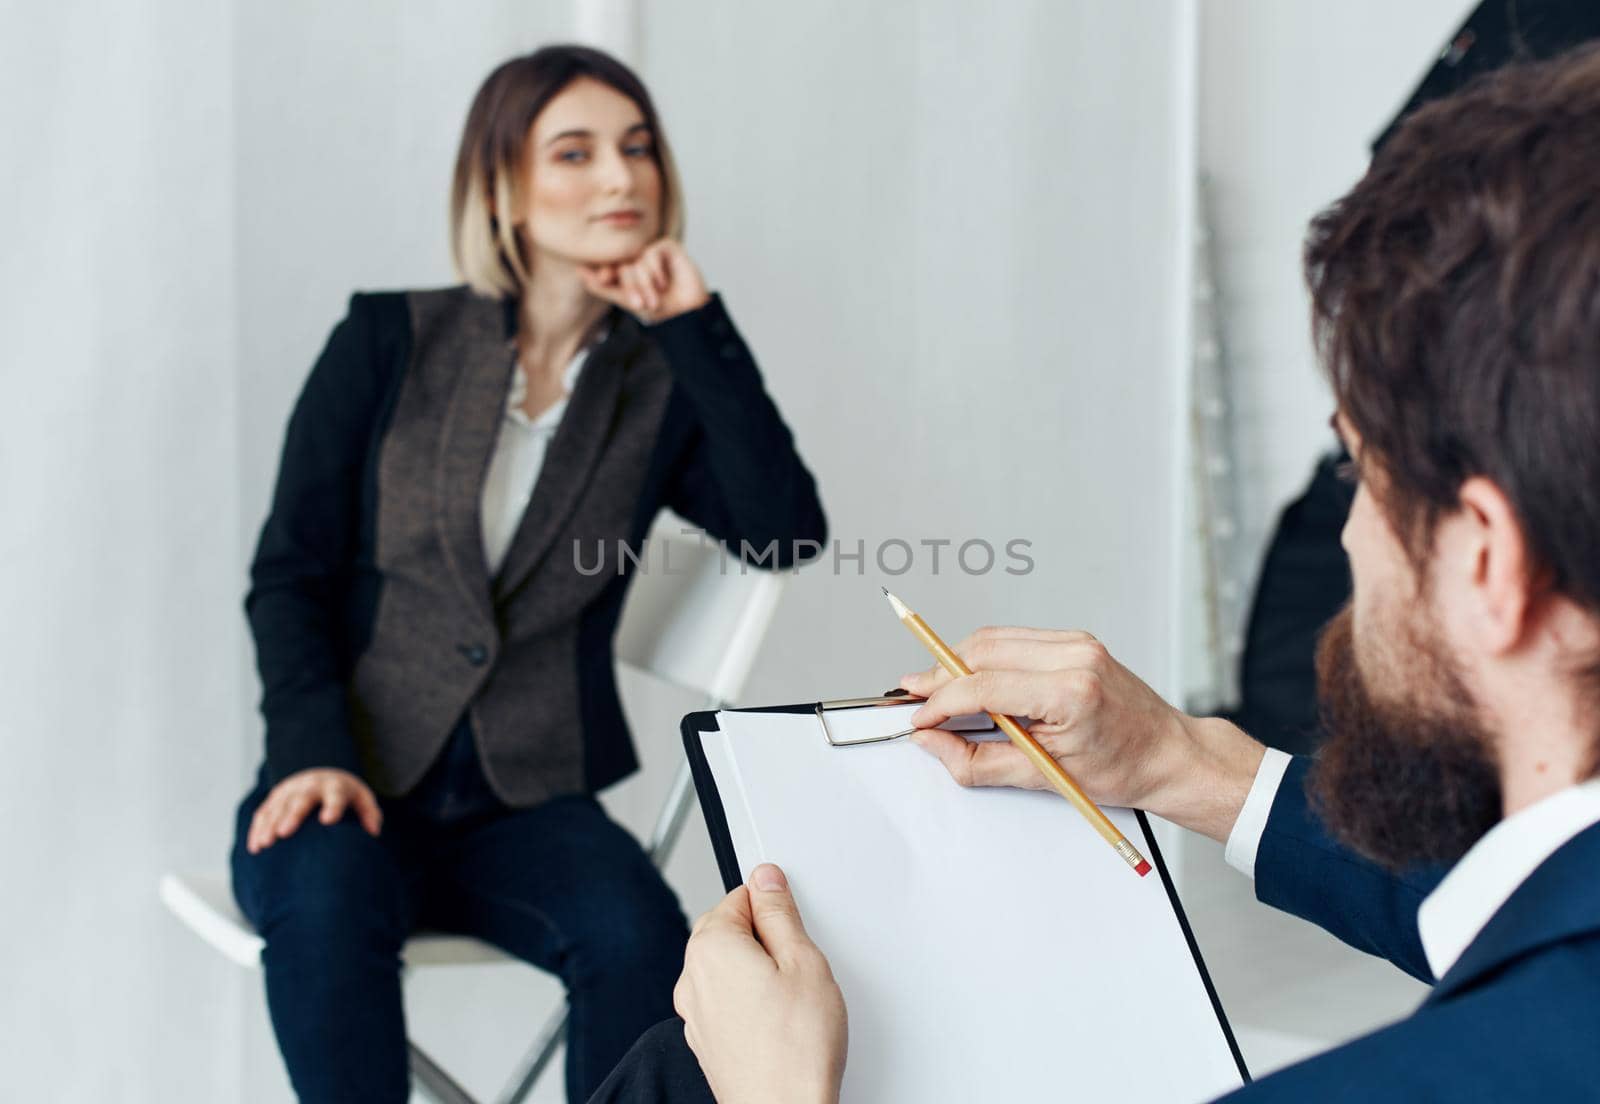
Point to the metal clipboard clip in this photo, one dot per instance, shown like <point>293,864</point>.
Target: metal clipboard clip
<point>893,697</point>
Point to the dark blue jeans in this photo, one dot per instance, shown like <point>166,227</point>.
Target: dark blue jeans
<point>560,885</point>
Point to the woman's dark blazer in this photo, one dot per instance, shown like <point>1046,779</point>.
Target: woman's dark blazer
<point>375,619</point>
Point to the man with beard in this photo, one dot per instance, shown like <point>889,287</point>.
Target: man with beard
<point>1456,306</point>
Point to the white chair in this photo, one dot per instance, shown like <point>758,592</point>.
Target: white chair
<point>695,617</point>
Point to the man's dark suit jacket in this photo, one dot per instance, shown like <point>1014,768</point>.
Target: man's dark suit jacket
<point>1517,1018</point>
<point>376,621</point>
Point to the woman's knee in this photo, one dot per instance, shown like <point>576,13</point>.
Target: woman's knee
<point>641,934</point>
<point>331,885</point>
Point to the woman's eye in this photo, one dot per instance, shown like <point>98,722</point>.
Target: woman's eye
<point>637,151</point>
<point>573,156</point>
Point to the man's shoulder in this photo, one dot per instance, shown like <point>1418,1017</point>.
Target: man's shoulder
<point>1525,1033</point>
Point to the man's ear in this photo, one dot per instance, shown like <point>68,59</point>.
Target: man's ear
<point>1500,564</point>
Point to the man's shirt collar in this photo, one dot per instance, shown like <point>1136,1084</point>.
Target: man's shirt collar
<point>1461,905</point>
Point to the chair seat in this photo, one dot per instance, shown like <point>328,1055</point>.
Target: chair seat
<point>205,903</point>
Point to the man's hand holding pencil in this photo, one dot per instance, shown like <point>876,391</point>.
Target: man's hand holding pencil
<point>1115,735</point>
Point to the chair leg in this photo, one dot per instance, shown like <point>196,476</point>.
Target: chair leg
<point>673,813</point>
<point>435,1083</point>
<point>538,1056</point>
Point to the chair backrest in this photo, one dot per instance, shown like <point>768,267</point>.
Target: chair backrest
<point>695,616</point>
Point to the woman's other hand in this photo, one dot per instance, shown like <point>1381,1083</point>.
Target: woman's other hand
<point>287,806</point>
<point>660,283</point>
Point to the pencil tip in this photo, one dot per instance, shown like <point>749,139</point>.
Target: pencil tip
<point>885,591</point>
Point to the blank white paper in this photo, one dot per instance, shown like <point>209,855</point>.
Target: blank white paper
<point>990,945</point>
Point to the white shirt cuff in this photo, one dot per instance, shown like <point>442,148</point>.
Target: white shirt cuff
<point>1245,839</point>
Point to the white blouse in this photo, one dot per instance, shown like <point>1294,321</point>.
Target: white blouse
<point>519,452</point>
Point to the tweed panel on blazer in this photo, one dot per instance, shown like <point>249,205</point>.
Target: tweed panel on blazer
<point>446,636</point>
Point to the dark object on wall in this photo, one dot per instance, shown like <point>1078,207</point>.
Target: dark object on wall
<point>1305,577</point>
<point>1498,32</point>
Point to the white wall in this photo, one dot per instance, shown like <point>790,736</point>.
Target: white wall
<point>950,241</point>
<point>119,599</point>
<point>1292,95</point>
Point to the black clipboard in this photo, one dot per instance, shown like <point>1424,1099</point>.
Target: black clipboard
<point>695,724</point>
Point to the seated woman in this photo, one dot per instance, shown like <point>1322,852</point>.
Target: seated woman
<point>433,629</point>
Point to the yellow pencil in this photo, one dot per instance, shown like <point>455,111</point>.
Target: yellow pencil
<point>1037,755</point>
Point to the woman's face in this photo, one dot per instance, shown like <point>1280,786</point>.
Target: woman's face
<point>593,191</point>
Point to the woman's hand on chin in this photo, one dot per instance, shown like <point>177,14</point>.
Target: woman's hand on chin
<point>660,283</point>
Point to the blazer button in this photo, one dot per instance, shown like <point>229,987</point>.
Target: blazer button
<point>730,350</point>
<point>720,327</point>
<point>476,654</point>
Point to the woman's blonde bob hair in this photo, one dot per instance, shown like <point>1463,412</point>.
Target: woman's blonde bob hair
<point>487,251</point>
